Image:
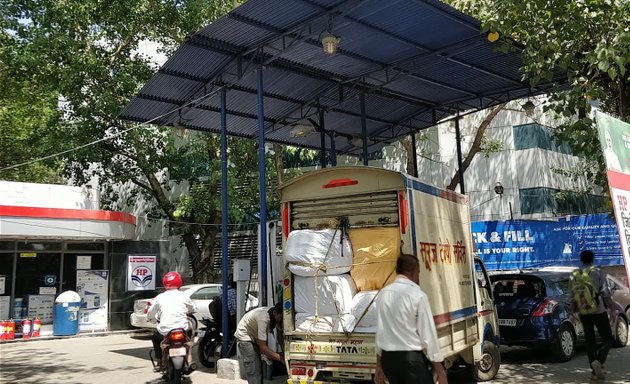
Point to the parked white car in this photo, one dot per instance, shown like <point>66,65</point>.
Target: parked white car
<point>200,294</point>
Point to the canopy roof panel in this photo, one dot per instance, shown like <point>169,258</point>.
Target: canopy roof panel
<point>415,61</point>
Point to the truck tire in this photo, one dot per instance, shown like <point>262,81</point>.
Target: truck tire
<point>487,367</point>
<point>620,336</point>
<point>564,345</point>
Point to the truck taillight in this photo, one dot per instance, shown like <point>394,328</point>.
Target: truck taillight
<point>545,308</point>
<point>298,371</point>
<point>344,182</point>
<point>147,307</point>
<point>285,220</point>
<point>402,202</point>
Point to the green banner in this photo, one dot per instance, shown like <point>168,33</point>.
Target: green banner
<point>614,136</point>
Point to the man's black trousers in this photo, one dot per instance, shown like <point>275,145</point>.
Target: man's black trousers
<point>406,367</point>
<point>596,351</point>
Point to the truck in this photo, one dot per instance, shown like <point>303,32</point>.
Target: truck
<point>381,205</point>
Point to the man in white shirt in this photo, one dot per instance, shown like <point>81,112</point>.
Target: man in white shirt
<point>170,309</point>
<point>251,335</point>
<point>406,340</point>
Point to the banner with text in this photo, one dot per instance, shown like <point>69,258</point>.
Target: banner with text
<point>614,136</point>
<point>93,288</point>
<point>534,244</point>
<point>141,273</point>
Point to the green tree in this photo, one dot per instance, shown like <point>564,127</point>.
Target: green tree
<point>588,40</point>
<point>84,55</point>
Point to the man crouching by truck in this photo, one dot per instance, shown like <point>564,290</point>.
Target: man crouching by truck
<point>406,341</point>
<point>251,335</point>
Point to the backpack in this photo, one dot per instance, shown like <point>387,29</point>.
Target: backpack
<point>216,309</point>
<point>585,295</point>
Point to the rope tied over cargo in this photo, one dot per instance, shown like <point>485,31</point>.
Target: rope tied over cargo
<point>342,225</point>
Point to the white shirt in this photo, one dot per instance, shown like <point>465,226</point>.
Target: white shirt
<point>254,325</point>
<point>171,308</point>
<point>405,321</point>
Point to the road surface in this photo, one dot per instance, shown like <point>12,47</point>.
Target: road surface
<point>123,358</point>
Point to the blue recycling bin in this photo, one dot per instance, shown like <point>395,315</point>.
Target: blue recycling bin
<point>66,316</point>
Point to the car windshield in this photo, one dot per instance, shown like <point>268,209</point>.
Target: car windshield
<point>511,288</point>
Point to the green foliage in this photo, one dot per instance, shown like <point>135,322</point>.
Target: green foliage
<point>588,40</point>
<point>76,64</point>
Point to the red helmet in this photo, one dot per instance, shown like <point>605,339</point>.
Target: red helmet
<point>172,280</point>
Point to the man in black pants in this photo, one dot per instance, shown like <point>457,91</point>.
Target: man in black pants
<point>597,353</point>
<point>406,340</point>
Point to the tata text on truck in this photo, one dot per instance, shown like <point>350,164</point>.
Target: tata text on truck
<point>361,219</point>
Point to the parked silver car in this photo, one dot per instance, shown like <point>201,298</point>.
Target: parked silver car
<point>200,294</point>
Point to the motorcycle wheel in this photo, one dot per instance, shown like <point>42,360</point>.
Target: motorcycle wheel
<point>174,375</point>
<point>209,352</point>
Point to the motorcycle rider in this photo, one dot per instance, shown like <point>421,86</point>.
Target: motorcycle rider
<point>170,309</point>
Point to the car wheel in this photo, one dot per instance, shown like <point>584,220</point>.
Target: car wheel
<point>487,367</point>
<point>564,344</point>
<point>621,332</point>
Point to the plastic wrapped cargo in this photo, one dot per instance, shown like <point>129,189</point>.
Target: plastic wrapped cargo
<point>375,251</point>
<point>305,322</point>
<point>317,252</point>
<point>324,295</point>
<point>364,309</point>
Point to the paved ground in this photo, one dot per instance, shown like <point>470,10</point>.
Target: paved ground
<point>123,358</point>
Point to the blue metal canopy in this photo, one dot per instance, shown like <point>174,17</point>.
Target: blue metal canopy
<point>414,62</point>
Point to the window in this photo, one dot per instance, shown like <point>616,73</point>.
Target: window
<point>528,136</point>
<point>91,246</point>
<point>206,293</point>
<point>549,200</point>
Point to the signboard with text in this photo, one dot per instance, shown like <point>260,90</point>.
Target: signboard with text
<point>93,288</point>
<point>141,273</point>
<point>533,244</point>
<point>614,136</point>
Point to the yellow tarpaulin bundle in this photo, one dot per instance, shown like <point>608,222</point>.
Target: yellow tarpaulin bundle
<point>375,252</point>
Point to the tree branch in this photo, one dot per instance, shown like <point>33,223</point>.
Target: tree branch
<point>476,145</point>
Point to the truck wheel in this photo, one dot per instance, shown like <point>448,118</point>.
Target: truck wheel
<point>620,338</point>
<point>487,367</point>
<point>564,345</point>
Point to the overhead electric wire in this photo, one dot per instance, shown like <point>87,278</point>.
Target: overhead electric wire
<point>199,99</point>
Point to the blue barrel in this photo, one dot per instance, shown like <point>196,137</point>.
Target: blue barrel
<point>66,316</point>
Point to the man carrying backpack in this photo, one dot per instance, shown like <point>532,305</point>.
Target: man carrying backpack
<point>590,293</point>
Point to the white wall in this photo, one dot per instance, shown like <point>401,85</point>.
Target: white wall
<point>531,168</point>
<point>48,196</point>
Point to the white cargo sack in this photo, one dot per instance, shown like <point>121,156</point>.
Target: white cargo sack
<point>363,304</point>
<point>305,322</point>
<point>324,295</point>
<point>306,252</point>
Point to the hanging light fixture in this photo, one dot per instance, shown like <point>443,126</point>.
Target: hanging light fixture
<point>302,130</point>
<point>529,108</point>
<point>330,42</point>
<point>179,128</point>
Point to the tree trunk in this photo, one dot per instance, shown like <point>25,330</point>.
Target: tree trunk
<point>476,145</point>
<point>411,157</point>
<point>277,149</point>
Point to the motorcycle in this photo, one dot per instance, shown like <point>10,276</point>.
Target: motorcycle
<point>176,349</point>
<point>211,344</point>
